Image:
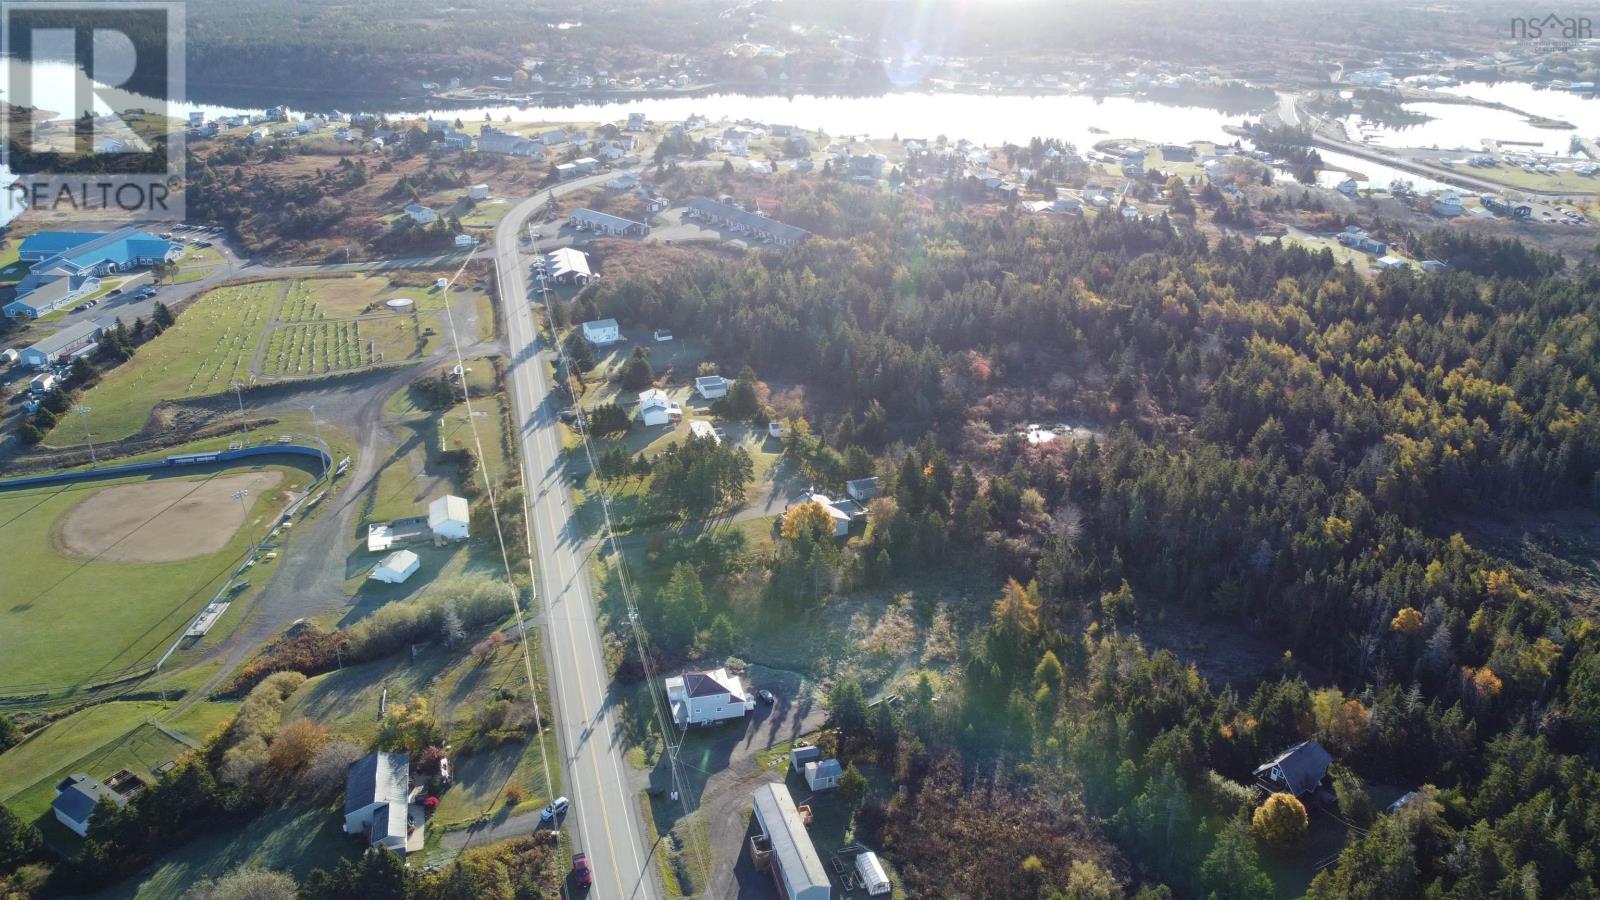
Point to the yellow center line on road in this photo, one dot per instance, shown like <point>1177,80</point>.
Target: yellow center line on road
<point>542,439</point>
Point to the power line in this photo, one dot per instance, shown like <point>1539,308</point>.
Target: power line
<point>668,731</point>
<point>505,557</point>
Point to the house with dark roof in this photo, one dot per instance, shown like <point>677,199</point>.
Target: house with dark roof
<point>1298,770</point>
<point>76,797</point>
<point>377,802</point>
<point>605,223</point>
<point>755,225</point>
<point>706,698</point>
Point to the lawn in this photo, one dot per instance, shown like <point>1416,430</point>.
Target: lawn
<point>454,429</point>
<point>457,685</point>
<point>99,741</point>
<point>292,839</point>
<point>210,346</point>
<point>70,622</point>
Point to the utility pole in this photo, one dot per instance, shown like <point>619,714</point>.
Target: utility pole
<point>323,447</point>
<point>238,391</point>
<point>82,413</point>
<point>240,496</point>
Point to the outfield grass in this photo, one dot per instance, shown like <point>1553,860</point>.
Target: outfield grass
<point>209,347</point>
<point>67,622</point>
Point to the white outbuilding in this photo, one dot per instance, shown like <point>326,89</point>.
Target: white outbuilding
<point>449,518</point>
<point>873,878</point>
<point>396,567</point>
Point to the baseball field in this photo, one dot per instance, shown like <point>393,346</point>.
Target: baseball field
<point>101,577</point>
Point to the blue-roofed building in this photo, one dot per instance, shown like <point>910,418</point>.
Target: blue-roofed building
<point>76,797</point>
<point>68,265</point>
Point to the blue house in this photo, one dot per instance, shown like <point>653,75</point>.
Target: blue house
<point>68,265</point>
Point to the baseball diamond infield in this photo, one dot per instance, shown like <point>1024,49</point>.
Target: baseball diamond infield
<point>159,521</point>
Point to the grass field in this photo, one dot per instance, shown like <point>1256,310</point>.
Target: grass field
<point>210,346</point>
<point>99,741</point>
<point>457,686</point>
<point>293,839</point>
<point>71,622</point>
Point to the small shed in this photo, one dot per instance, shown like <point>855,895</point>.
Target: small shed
<point>396,567</point>
<point>823,774</point>
<point>873,879</point>
<point>801,754</point>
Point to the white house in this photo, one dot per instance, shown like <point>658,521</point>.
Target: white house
<point>396,567</point>
<point>466,240</point>
<point>1449,205</point>
<point>840,518</point>
<point>76,797</point>
<point>706,698</point>
<point>700,428</point>
<point>602,332</point>
<point>822,774</point>
<point>478,192</point>
<point>449,518</point>
<point>377,795</point>
<point>1393,262</point>
<point>420,214</point>
<point>656,408</point>
<point>862,489</point>
<point>710,387</point>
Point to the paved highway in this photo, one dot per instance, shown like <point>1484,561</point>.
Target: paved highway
<point>605,817</point>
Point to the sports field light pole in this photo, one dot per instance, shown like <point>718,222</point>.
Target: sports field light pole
<point>238,391</point>
<point>82,412</point>
<point>322,446</point>
<point>240,495</point>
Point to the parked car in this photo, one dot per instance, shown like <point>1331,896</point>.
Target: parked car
<point>114,292</point>
<point>766,697</point>
<point>557,808</point>
<point>582,872</point>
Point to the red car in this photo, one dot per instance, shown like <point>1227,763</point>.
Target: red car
<point>582,874</point>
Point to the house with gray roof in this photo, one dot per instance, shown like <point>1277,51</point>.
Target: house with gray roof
<point>74,340</point>
<point>76,797</point>
<point>755,225</point>
<point>793,859</point>
<point>823,774</point>
<point>1298,770</point>
<point>377,799</point>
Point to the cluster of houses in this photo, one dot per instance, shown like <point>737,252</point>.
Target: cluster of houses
<point>67,265</point>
